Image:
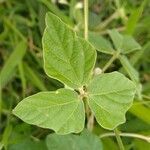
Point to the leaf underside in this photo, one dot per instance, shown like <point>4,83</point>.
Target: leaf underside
<point>67,58</point>
<point>61,111</point>
<point>110,96</point>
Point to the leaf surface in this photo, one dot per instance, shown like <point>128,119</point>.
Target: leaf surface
<point>134,75</point>
<point>84,141</point>
<point>110,96</point>
<point>116,38</point>
<point>129,44</point>
<point>67,58</point>
<point>101,44</point>
<point>61,111</point>
<point>123,43</point>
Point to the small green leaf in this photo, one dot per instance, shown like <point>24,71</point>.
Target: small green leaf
<point>116,38</point>
<point>84,141</point>
<point>28,144</point>
<point>67,58</point>
<point>54,9</point>
<point>123,43</point>
<point>101,44</point>
<point>63,111</point>
<point>129,45</point>
<point>134,75</point>
<point>110,96</point>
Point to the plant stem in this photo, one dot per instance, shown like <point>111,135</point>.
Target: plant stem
<point>90,116</point>
<point>120,144</point>
<point>133,135</point>
<point>146,97</point>
<point>90,123</point>
<point>86,19</point>
<point>101,26</point>
<point>0,103</point>
<point>110,62</point>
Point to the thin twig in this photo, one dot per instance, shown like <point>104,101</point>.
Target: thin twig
<point>120,29</point>
<point>106,22</point>
<point>118,138</point>
<point>90,116</point>
<point>86,19</point>
<point>132,135</point>
<point>113,58</point>
<point>146,97</point>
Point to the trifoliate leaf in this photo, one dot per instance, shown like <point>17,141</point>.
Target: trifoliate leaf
<point>110,96</point>
<point>67,58</point>
<point>63,111</point>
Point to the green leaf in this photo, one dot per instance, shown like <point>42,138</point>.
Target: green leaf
<point>140,111</point>
<point>53,8</point>
<point>62,111</point>
<point>101,44</point>
<point>134,75</point>
<point>67,58</point>
<point>123,43</point>
<point>116,38</point>
<point>12,62</point>
<point>28,144</point>
<point>129,45</point>
<point>110,96</point>
<point>84,141</point>
<point>141,144</point>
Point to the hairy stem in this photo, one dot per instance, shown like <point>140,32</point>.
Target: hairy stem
<point>104,24</point>
<point>90,115</point>
<point>86,19</point>
<point>132,135</point>
<point>146,97</point>
<point>119,141</point>
<point>110,62</point>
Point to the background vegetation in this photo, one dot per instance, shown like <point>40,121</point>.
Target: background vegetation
<point>21,65</point>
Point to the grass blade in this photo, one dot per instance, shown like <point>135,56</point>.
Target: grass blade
<point>12,62</point>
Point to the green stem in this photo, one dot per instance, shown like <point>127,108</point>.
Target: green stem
<point>86,19</point>
<point>104,24</point>
<point>110,61</point>
<point>0,103</point>
<point>90,116</point>
<point>146,97</point>
<point>132,135</point>
<point>120,144</point>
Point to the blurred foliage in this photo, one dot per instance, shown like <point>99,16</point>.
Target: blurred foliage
<point>21,66</point>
